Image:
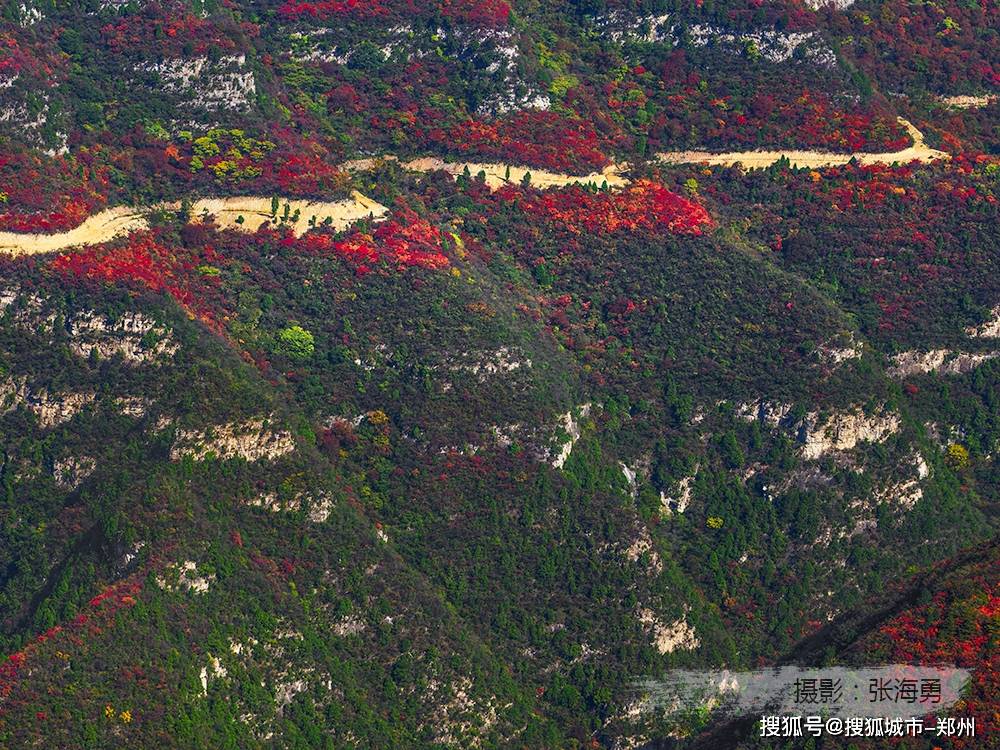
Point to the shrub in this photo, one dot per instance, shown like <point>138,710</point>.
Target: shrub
<point>297,342</point>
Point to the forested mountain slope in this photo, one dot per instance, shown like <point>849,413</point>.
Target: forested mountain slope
<point>458,466</point>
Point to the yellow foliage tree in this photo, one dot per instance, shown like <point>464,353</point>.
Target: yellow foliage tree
<point>957,456</point>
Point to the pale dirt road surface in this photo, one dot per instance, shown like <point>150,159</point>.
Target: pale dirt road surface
<point>249,213</point>
<point>919,151</point>
<point>254,210</point>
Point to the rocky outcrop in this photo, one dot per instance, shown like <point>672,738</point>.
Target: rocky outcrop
<point>24,119</point>
<point>225,84</point>
<point>349,625</point>
<point>27,310</point>
<point>842,431</point>
<point>58,408</point>
<point>643,545</point>
<point>773,414</point>
<point>503,360</point>
<point>459,716</point>
<point>185,577</point>
<point>499,50</point>
<point>941,361</point>
<point>318,507</point>
<point>572,428</point>
<point>70,472</point>
<point>989,329</point>
<point>669,638</point>
<point>769,44</point>
<point>678,501</point>
<point>252,440</point>
<point>8,296</point>
<point>13,391</point>
<point>482,365</point>
<point>134,336</point>
<point>214,669</point>
<point>967,101</point>
<point>621,25</point>
<point>49,409</point>
<point>836,4</point>
<point>907,492</point>
<point>631,477</point>
<point>133,406</point>
<point>840,349</point>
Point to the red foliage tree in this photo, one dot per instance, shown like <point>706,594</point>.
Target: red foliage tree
<point>644,205</point>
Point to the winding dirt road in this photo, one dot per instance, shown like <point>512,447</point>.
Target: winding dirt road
<point>503,174</point>
<point>497,175</point>
<point>248,213</point>
<point>919,151</point>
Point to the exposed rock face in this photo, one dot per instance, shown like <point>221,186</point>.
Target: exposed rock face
<point>26,309</point>
<point>643,544</point>
<point>70,472</point>
<point>682,499</point>
<point>349,625</point>
<point>967,102</point>
<point>844,430</point>
<point>942,361</point>
<point>504,359</point>
<point>252,440</point>
<point>837,4</point>
<point>282,672</point>
<point>13,391</point>
<point>498,49</point>
<point>841,349</point>
<point>989,329</point>
<point>25,120</point>
<point>495,51</point>
<point>911,363</point>
<point>8,295</point>
<point>221,85</point>
<point>483,365</point>
<point>771,413</point>
<point>572,428</point>
<point>49,410</point>
<point>459,720</point>
<point>669,638</point>
<point>620,26</point>
<point>318,507</point>
<point>133,406</point>
<point>214,670</point>
<point>134,336</point>
<point>286,691</point>
<point>908,492</point>
<point>129,559</point>
<point>185,577</point>
<point>27,14</point>
<point>963,363</point>
<point>55,409</point>
<point>770,44</point>
<point>631,477</point>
